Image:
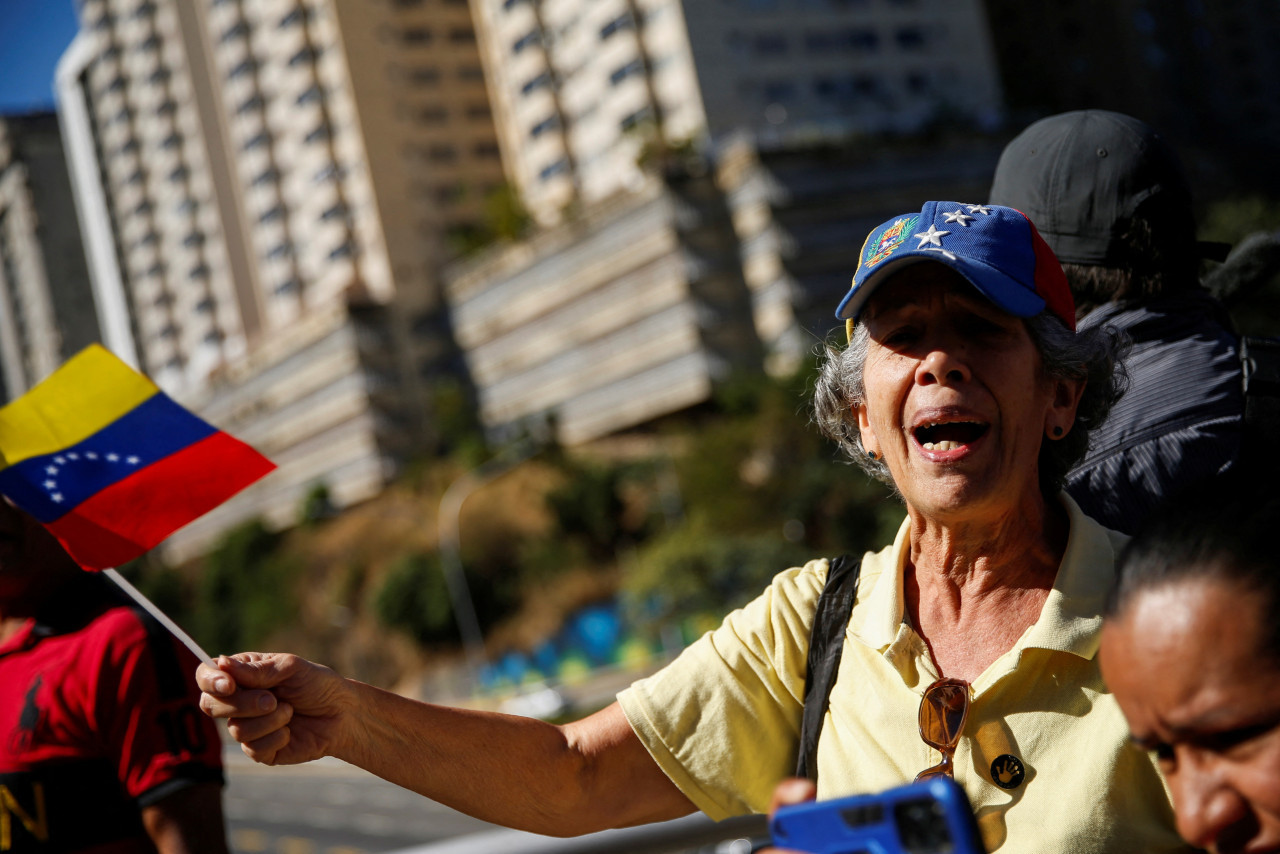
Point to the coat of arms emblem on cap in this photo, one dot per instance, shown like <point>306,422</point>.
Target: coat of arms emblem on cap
<point>890,239</point>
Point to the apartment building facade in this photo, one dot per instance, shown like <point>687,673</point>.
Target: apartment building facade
<point>46,307</point>
<point>269,185</point>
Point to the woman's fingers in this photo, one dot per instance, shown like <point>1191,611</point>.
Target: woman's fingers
<point>253,729</point>
<point>793,790</point>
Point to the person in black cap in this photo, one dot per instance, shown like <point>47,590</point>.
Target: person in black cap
<point>1110,197</point>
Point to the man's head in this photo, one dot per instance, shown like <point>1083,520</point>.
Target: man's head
<point>32,562</point>
<point>1191,651</point>
<point>1110,197</point>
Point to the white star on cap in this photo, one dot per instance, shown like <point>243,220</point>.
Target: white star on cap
<point>933,237</point>
<point>950,255</point>
<point>982,209</point>
<point>958,216</point>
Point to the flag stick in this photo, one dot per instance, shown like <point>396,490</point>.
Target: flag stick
<point>150,608</point>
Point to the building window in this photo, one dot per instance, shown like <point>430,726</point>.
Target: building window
<point>416,35</point>
<point>179,174</point>
<point>167,107</point>
<point>199,271</point>
<point>622,72</point>
<point>160,75</point>
<point>442,152</point>
<point>533,84</point>
<point>312,95</point>
<point>462,35</point>
<point>145,9</point>
<point>549,123</point>
<point>478,112</point>
<point>271,214</point>
<point>508,5</point>
<point>253,102</point>
<point>471,73</point>
<point>560,167</point>
<point>173,140</point>
<point>295,16</point>
<point>267,175</point>
<point>770,44</point>
<point>258,140</point>
<point>239,29</point>
<point>194,239</point>
<point>422,76</point>
<point>288,286</point>
<point>433,115</point>
<point>634,119</point>
<point>622,22</point>
<point>485,150</point>
<point>343,250</point>
<point>280,250</point>
<point>320,133</point>
<point>245,66</point>
<point>304,54</point>
<point>335,212</point>
<point>910,38</point>
<point>529,39</point>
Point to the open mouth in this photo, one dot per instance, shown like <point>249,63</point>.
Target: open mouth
<point>950,435</point>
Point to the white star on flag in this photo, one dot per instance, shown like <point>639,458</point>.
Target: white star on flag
<point>933,237</point>
<point>132,460</point>
<point>56,498</point>
<point>982,209</point>
<point>51,469</point>
<point>111,458</point>
<point>91,455</point>
<point>59,460</point>
<point>958,216</point>
<point>73,456</point>
<point>50,484</point>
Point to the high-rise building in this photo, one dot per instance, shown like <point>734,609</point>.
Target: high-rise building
<point>46,309</point>
<point>268,190</point>
<point>586,88</point>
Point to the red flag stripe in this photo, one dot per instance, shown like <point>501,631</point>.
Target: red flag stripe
<point>132,515</point>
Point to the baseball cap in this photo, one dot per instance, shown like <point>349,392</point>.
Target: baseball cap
<point>995,248</point>
<point>1081,175</point>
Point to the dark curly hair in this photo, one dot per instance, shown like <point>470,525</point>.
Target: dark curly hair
<point>1093,355</point>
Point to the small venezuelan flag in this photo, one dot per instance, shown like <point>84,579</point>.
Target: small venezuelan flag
<point>110,464</point>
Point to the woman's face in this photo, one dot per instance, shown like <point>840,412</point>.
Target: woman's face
<point>956,399</point>
<point>1184,663</point>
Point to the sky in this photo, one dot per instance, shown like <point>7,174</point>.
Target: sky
<point>33,35</point>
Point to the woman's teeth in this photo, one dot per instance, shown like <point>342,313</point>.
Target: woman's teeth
<point>943,445</point>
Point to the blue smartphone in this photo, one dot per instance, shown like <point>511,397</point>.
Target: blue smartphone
<point>930,817</point>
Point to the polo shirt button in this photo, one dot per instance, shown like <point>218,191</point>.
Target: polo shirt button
<point>1007,771</point>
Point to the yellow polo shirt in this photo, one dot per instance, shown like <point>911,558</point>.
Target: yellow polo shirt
<point>1045,756</point>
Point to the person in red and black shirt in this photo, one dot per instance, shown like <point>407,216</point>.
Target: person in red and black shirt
<point>103,748</point>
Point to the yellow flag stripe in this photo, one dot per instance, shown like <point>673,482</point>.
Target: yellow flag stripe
<point>90,391</point>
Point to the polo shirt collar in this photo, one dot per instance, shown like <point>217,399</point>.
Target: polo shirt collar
<point>1070,620</point>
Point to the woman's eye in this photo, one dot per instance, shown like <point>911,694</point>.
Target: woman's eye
<point>900,336</point>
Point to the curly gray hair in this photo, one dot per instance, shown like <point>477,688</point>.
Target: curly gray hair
<point>1093,355</point>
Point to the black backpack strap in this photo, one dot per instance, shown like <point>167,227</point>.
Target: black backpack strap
<point>826,643</point>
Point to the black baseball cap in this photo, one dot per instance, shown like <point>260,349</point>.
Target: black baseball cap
<point>1080,176</point>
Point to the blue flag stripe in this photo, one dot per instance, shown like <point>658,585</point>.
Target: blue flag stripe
<point>50,485</point>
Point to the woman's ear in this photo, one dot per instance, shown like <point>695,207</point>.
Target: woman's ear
<point>865,430</point>
<point>1061,414</point>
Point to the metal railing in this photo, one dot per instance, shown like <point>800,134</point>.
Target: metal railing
<point>693,834</point>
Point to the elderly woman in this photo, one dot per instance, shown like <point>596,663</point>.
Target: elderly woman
<point>966,387</point>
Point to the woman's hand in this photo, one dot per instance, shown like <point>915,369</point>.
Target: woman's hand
<point>280,708</point>
<point>793,790</point>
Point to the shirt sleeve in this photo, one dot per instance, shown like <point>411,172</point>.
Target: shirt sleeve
<point>148,711</point>
<point>723,719</point>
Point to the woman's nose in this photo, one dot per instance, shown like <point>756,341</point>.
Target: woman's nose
<point>942,365</point>
<point>1206,807</point>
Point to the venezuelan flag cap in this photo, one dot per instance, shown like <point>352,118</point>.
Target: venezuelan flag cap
<point>997,249</point>
<point>110,464</point>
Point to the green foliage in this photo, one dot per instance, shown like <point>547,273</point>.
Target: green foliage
<point>414,599</point>
<point>316,505</point>
<point>588,507</point>
<point>696,571</point>
<point>244,590</point>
